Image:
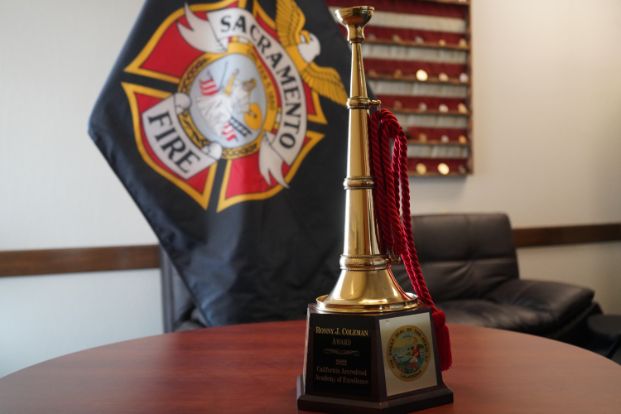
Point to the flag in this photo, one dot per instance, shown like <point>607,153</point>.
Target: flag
<point>226,122</point>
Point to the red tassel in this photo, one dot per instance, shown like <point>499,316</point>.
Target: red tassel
<point>392,202</point>
<point>442,338</point>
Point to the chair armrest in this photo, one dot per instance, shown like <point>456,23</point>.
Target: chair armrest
<point>561,300</point>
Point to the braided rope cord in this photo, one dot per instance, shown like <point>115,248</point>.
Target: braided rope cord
<point>391,196</point>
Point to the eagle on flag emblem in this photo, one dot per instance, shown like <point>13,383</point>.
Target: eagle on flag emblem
<point>246,94</point>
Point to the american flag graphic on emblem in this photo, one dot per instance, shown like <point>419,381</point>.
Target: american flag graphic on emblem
<point>228,132</point>
<point>208,87</point>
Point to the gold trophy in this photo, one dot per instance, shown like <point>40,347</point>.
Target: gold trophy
<point>370,346</point>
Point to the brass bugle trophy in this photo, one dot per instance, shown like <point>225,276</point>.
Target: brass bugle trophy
<point>370,346</point>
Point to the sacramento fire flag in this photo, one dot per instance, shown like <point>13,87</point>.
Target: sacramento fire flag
<point>225,120</point>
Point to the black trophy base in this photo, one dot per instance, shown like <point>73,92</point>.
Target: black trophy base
<point>404,404</point>
<point>371,363</point>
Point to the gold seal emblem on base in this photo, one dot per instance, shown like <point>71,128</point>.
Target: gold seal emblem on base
<point>408,353</point>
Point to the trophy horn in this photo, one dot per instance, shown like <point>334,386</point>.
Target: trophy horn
<point>366,283</point>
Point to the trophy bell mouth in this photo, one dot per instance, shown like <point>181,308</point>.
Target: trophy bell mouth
<point>355,16</point>
<point>367,291</point>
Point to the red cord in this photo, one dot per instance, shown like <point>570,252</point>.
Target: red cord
<point>391,196</point>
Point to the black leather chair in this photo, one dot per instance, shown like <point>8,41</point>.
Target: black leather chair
<point>470,264</point>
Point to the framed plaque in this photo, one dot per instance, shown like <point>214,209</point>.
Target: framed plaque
<point>418,63</point>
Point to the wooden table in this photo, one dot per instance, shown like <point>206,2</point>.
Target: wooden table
<point>253,368</point>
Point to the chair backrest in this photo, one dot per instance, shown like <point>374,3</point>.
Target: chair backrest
<point>177,303</point>
<point>463,256</point>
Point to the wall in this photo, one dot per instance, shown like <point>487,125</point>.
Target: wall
<point>57,190</point>
<point>55,59</point>
<point>546,127</point>
<point>546,142</point>
<point>46,316</point>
